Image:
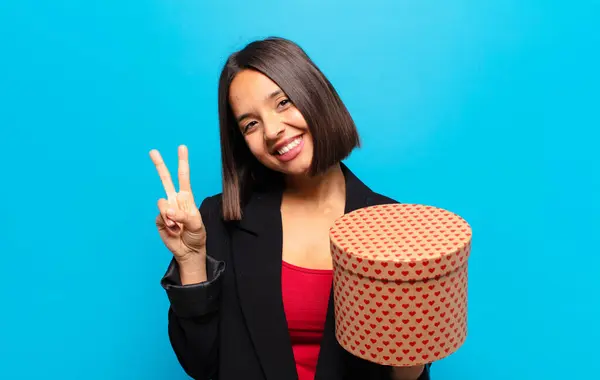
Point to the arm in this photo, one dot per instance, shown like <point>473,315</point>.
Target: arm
<point>193,317</point>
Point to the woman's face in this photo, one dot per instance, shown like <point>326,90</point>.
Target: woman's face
<point>272,126</point>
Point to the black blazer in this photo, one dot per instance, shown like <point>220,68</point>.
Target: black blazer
<point>233,326</point>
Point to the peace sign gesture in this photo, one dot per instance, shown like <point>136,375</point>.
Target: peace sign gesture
<point>179,222</point>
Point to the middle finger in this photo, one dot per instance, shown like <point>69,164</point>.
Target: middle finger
<point>184,169</point>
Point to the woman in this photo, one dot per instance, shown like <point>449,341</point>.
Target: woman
<point>249,283</point>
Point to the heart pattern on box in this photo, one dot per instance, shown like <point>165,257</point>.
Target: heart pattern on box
<point>403,324</point>
<point>400,283</point>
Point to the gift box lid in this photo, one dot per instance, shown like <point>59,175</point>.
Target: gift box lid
<point>400,242</point>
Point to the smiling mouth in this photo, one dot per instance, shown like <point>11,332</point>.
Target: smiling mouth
<point>294,143</point>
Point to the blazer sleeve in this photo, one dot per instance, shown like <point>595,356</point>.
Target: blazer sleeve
<point>193,316</point>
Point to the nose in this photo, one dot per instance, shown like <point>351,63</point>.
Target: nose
<point>273,130</point>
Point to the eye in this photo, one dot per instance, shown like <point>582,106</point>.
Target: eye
<point>283,103</point>
<point>247,127</point>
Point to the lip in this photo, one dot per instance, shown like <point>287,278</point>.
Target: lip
<point>283,143</point>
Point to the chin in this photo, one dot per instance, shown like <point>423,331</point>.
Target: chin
<point>290,169</point>
<point>297,172</point>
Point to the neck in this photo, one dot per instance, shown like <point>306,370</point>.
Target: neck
<point>318,189</point>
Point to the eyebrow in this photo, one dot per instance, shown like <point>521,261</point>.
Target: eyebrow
<point>270,96</point>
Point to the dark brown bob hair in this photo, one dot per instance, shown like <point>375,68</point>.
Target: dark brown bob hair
<point>332,128</point>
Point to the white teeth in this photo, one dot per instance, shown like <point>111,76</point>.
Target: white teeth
<point>290,146</point>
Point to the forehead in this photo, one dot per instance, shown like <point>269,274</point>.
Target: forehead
<point>250,88</point>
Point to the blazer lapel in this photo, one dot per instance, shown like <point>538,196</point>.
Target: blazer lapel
<point>257,245</point>
<point>358,195</point>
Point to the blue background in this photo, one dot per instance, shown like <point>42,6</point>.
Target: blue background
<point>489,109</point>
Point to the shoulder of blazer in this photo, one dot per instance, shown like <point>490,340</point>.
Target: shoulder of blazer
<point>359,194</point>
<point>216,228</point>
<point>210,208</point>
<point>378,199</point>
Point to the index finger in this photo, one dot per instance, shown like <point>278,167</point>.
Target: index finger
<point>164,174</point>
<point>184,169</point>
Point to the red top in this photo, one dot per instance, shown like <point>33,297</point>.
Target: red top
<point>305,300</point>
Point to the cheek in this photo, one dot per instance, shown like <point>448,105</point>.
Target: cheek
<point>295,118</point>
<point>256,144</point>
<point>309,146</point>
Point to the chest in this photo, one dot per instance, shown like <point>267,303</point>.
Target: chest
<point>306,238</point>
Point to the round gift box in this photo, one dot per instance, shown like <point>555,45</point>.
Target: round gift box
<point>400,283</point>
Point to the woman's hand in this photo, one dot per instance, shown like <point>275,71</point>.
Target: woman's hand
<point>179,222</point>
<point>407,373</point>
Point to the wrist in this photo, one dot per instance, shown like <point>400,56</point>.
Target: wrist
<point>192,269</point>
